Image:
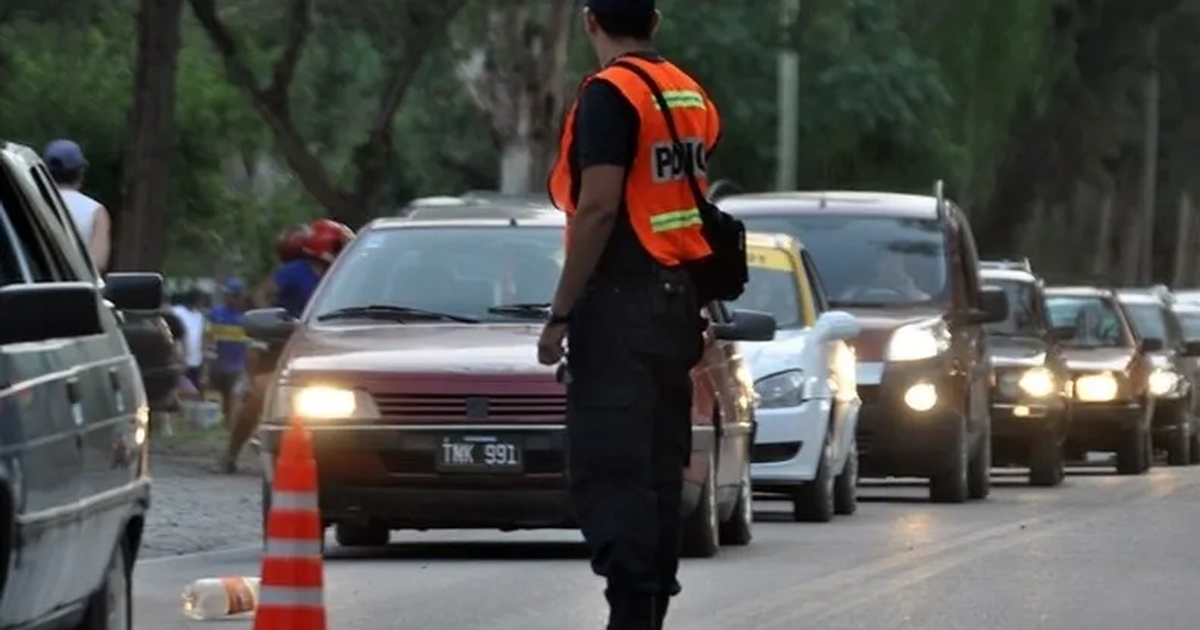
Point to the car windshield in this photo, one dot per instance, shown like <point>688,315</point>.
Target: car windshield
<point>465,271</point>
<point>1148,321</point>
<point>1191,324</point>
<point>772,288</point>
<point>1022,320</point>
<point>869,261</point>
<point>1095,320</point>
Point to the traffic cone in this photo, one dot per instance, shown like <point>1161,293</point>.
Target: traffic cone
<point>293,574</point>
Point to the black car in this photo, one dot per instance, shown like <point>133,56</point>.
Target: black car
<point>1173,376</point>
<point>1031,398</point>
<point>907,268</point>
<point>74,416</point>
<point>1110,372</point>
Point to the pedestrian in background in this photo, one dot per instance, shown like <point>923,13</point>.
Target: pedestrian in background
<point>67,165</point>
<point>191,315</point>
<point>227,368</point>
<point>626,302</point>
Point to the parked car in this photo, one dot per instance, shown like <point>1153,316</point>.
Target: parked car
<point>807,396</point>
<point>1173,377</point>
<point>907,268</point>
<point>415,365</point>
<point>1032,395</point>
<point>141,323</point>
<point>73,418</point>
<point>1111,372</point>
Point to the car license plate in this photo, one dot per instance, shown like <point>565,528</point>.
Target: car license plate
<point>479,454</point>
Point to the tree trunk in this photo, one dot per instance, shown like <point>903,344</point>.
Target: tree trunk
<point>1183,236</point>
<point>1149,160</point>
<point>140,223</point>
<point>1101,264</point>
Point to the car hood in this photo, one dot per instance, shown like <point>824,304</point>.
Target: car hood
<point>1017,351</point>
<point>1098,358</point>
<point>876,326</point>
<point>428,349</point>
<point>783,353</point>
<point>1163,359</point>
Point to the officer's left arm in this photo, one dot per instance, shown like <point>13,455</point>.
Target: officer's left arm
<point>605,140</point>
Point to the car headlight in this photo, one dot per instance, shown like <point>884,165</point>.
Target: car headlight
<point>321,403</point>
<point>1037,382</point>
<point>919,341</point>
<point>1163,382</point>
<point>785,389</point>
<point>1097,387</point>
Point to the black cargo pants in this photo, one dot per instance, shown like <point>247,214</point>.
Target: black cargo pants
<point>632,345</point>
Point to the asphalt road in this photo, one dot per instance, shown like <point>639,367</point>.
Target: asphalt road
<point>1102,552</point>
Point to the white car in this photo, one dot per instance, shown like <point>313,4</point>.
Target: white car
<point>805,384</point>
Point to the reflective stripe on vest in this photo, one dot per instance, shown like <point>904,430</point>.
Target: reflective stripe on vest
<point>657,195</point>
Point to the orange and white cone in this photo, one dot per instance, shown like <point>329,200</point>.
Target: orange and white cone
<point>291,595</point>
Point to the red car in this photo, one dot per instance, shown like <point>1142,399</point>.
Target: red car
<point>415,366</point>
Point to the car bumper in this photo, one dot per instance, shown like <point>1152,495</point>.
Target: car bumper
<point>390,474</point>
<point>1016,426</point>
<point>787,446</point>
<point>893,439</point>
<point>1103,426</point>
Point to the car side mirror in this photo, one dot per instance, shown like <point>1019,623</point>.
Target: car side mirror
<point>993,306</point>
<point>134,291</point>
<point>835,325</point>
<point>49,310</point>
<point>268,324</point>
<point>1063,333</point>
<point>1191,348</point>
<point>746,326</point>
<point>1152,345</point>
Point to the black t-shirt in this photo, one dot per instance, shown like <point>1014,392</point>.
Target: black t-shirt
<point>606,133</point>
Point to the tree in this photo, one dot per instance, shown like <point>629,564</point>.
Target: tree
<point>411,28</point>
<point>146,181</point>
<point>515,74</point>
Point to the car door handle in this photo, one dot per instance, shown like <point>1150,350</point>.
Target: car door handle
<point>74,394</point>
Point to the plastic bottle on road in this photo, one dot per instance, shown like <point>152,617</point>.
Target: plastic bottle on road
<point>220,598</point>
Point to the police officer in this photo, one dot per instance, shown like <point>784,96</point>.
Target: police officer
<point>626,305</point>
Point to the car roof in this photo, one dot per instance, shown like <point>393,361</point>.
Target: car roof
<point>20,152</point>
<point>1138,296</point>
<point>1011,275</point>
<point>771,240</point>
<point>1080,291</point>
<point>864,203</point>
<point>475,209</point>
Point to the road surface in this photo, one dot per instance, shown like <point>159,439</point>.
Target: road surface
<point>1102,552</point>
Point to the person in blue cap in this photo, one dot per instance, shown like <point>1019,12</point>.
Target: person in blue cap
<point>227,337</point>
<point>67,165</point>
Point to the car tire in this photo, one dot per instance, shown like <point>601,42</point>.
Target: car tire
<point>813,502</point>
<point>352,535</point>
<point>845,487</point>
<point>979,471</point>
<point>1131,456</point>
<point>738,531</point>
<point>1047,462</point>
<point>701,530</point>
<point>1179,448</point>
<point>952,485</point>
<point>111,607</point>
<point>1194,450</point>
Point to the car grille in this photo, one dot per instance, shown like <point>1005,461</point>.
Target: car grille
<point>547,407</point>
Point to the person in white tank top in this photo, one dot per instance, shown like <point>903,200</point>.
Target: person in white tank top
<point>65,160</point>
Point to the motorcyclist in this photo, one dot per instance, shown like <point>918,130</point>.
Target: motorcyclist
<point>306,255</point>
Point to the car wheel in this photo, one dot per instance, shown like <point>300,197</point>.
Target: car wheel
<point>739,529</point>
<point>368,535</point>
<point>1047,465</point>
<point>845,488</point>
<point>952,484</point>
<point>813,502</point>
<point>701,535</point>
<point>111,607</point>
<point>1194,447</point>
<point>979,477</point>
<point>1131,455</point>
<point>1179,449</point>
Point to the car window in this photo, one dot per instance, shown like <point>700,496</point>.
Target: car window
<point>1149,321</point>
<point>37,247</point>
<point>1023,319</point>
<point>462,270</point>
<point>1189,321</point>
<point>773,288</point>
<point>13,267</point>
<point>1096,321</point>
<point>814,281</point>
<point>869,261</point>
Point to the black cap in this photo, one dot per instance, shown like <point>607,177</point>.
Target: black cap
<point>623,6</point>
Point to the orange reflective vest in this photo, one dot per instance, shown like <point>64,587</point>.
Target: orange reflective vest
<point>658,198</point>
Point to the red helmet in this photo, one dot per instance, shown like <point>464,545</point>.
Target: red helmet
<point>290,244</point>
<point>326,239</point>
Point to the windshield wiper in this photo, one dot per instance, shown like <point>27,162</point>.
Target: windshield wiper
<point>394,313</point>
<point>527,310</point>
